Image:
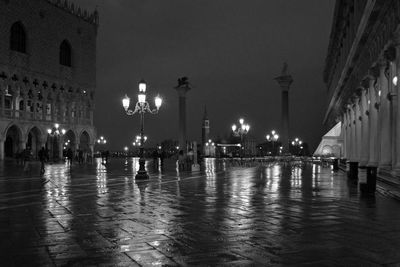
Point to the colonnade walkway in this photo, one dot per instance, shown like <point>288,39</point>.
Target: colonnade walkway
<point>223,215</point>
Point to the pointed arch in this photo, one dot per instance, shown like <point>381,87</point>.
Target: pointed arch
<point>13,134</point>
<point>34,140</point>
<point>84,141</point>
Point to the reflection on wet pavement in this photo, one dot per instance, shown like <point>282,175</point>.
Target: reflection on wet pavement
<point>223,215</point>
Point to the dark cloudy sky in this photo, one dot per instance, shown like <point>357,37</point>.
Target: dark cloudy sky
<point>231,50</point>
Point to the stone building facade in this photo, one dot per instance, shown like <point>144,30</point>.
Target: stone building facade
<point>47,76</point>
<point>361,74</point>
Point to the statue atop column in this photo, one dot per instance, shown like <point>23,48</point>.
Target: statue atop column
<point>182,88</point>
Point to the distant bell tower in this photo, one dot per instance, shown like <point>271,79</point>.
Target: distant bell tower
<point>205,131</point>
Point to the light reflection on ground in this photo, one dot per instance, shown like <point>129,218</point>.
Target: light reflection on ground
<point>225,214</point>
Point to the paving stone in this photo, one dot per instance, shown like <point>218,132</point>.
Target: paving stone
<point>241,216</point>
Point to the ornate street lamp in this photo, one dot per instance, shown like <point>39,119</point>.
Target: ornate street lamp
<point>54,133</point>
<point>298,145</point>
<point>102,140</point>
<point>241,131</point>
<point>273,137</point>
<point>141,107</point>
<point>210,148</point>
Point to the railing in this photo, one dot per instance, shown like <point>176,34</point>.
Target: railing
<point>27,115</point>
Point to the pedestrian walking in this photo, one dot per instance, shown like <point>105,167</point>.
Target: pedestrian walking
<point>70,156</point>
<point>42,158</point>
<point>181,160</point>
<point>26,158</point>
<point>80,156</point>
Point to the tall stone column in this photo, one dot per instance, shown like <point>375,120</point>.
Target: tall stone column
<point>373,157</point>
<point>344,134</point>
<point>348,133</point>
<point>284,81</point>
<point>373,129</point>
<point>182,88</point>
<point>2,148</point>
<point>353,171</point>
<point>397,91</point>
<point>384,118</point>
<point>358,122</point>
<point>365,126</point>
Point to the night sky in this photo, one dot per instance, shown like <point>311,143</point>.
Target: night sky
<point>231,51</point>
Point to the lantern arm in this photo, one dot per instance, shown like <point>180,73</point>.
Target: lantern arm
<point>136,110</point>
<point>148,109</point>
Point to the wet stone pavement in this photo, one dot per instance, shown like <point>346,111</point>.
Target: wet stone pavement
<point>275,215</point>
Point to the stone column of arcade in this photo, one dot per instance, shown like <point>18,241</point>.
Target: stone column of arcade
<point>2,140</point>
<point>390,55</point>
<point>384,118</point>
<point>182,88</point>
<point>362,172</point>
<point>373,157</point>
<point>396,84</point>
<point>348,137</point>
<point>364,137</point>
<point>344,133</point>
<point>284,81</point>
<point>353,172</point>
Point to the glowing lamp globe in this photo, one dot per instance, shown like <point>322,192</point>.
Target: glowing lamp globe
<point>125,102</point>
<point>158,101</point>
<point>141,98</point>
<point>142,86</point>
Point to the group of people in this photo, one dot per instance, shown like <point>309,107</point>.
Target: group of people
<point>185,162</point>
<point>159,155</point>
<point>25,156</point>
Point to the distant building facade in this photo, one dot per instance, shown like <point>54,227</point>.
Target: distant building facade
<point>47,75</point>
<point>208,145</point>
<point>361,74</point>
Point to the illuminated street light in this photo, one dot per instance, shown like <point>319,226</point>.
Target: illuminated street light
<point>297,145</point>
<point>210,148</point>
<point>241,131</point>
<point>101,140</point>
<point>141,107</point>
<point>54,133</point>
<point>273,137</point>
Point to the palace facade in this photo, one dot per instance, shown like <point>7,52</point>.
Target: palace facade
<point>361,73</point>
<point>47,76</point>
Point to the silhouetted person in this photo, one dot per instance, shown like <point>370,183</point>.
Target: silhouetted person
<point>26,158</point>
<point>42,158</point>
<point>181,160</point>
<point>106,155</point>
<point>80,156</point>
<point>70,156</point>
<point>163,154</point>
<point>155,157</point>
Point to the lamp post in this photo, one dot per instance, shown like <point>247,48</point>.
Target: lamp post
<point>137,142</point>
<point>210,148</point>
<point>55,132</point>
<point>297,144</point>
<point>241,131</point>
<point>141,107</point>
<point>101,141</point>
<point>273,137</point>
